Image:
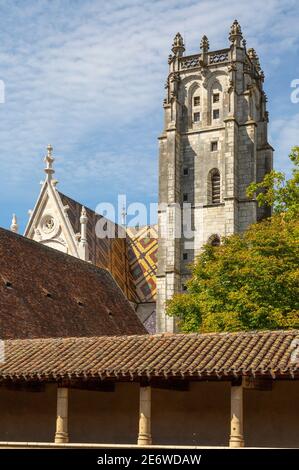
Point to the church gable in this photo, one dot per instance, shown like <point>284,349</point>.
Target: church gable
<point>49,223</point>
<point>60,222</point>
<point>47,227</point>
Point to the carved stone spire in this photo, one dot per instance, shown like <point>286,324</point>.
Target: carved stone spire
<point>49,160</point>
<point>204,44</point>
<point>235,35</point>
<point>178,47</point>
<point>14,224</point>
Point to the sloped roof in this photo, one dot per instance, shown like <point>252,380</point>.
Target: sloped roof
<point>131,257</point>
<point>45,293</point>
<point>142,253</point>
<point>193,356</point>
<point>109,253</point>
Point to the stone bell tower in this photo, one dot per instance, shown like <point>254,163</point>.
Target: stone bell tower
<point>214,144</point>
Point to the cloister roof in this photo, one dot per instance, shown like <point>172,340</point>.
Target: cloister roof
<point>270,354</point>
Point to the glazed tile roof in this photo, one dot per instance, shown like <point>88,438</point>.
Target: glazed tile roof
<point>109,253</point>
<point>142,253</point>
<point>46,293</point>
<point>194,356</point>
<point>131,256</point>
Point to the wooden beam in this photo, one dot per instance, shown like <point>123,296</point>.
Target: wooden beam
<point>94,385</point>
<point>171,384</point>
<point>258,383</point>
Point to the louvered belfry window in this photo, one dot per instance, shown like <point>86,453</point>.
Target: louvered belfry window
<point>215,187</point>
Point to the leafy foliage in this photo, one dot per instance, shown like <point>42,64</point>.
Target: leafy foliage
<point>251,281</point>
<point>275,190</point>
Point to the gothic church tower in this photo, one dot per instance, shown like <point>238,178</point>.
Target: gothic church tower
<point>214,144</point>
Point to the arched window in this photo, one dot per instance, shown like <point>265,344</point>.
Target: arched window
<point>214,240</point>
<point>214,187</point>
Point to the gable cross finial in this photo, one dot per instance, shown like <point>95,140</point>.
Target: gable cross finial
<point>49,160</point>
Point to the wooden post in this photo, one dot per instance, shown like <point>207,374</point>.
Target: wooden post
<point>236,429</point>
<point>61,434</point>
<point>144,436</point>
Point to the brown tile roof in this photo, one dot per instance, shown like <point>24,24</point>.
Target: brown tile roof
<point>195,356</point>
<point>45,293</point>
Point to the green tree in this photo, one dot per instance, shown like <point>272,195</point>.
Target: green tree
<point>278,191</point>
<point>251,281</point>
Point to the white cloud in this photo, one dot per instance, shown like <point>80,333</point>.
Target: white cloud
<point>75,70</point>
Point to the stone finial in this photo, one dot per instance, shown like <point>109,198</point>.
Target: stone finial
<point>251,53</point>
<point>178,47</point>
<point>262,75</point>
<point>254,58</point>
<point>14,224</point>
<point>123,216</point>
<point>83,245</point>
<point>83,217</point>
<point>49,160</point>
<point>258,65</point>
<point>235,35</point>
<point>204,44</point>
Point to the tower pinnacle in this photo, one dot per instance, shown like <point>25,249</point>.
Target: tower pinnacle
<point>204,44</point>
<point>235,35</point>
<point>178,47</point>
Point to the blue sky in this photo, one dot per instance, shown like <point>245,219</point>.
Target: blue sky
<point>88,77</point>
